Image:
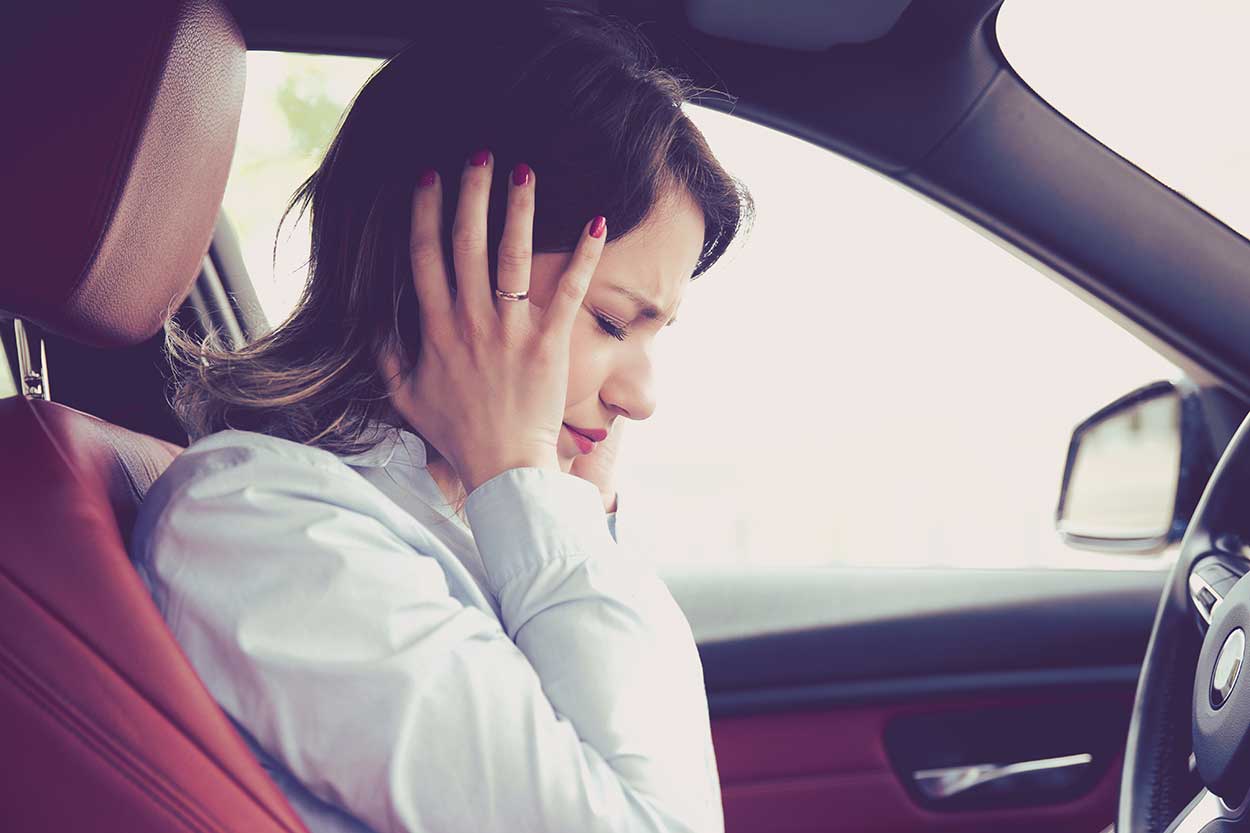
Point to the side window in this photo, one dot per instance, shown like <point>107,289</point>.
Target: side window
<point>291,108</point>
<point>863,380</point>
<point>868,381</point>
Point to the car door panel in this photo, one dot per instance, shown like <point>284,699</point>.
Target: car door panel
<point>823,712</point>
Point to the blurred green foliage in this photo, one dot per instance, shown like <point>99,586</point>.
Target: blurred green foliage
<point>311,114</point>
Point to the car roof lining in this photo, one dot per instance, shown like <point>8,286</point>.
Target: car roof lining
<point>808,25</point>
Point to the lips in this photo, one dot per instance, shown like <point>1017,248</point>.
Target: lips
<point>595,435</point>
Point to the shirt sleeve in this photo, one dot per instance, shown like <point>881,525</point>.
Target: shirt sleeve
<point>336,644</point>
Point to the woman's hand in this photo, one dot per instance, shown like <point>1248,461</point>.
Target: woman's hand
<point>491,379</point>
<point>599,466</point>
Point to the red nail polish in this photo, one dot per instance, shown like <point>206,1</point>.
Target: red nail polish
<point>597,226</point>
<point>520,174</point>
<point>427,178</point>
<point>480,158</point>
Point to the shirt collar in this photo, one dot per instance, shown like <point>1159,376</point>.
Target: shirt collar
<point>393,445</point>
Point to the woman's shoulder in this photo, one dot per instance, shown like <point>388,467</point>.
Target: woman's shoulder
<point>247,468</point>
<point>234,448</point>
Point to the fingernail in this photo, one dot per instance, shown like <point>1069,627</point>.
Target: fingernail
<point>597,226</point>
<point>520,174</point>
<point>480,158</point>
<point>427,178</point>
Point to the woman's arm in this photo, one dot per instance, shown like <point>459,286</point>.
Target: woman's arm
<point>323,629</point>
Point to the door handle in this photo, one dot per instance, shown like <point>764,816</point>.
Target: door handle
<point>947,782</point>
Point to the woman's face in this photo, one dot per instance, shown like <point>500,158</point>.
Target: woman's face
<point>613,377</point>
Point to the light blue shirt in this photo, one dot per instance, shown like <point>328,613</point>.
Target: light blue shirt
<point>395,668</point>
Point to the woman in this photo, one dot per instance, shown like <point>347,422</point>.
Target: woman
<point>390,550</point>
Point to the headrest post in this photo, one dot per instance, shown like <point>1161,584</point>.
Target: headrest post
<point>32,361</point>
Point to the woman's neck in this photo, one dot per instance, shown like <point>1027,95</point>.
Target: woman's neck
<point>447,481</point>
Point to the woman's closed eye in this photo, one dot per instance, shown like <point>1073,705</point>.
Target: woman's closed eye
<point>612,329</point>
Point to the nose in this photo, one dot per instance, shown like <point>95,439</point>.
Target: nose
<point>629,389</point>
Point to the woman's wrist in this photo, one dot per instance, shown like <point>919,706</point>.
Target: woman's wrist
<point>476,475</point>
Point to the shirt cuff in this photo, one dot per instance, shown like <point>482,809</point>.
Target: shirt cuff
<point>526,517</point>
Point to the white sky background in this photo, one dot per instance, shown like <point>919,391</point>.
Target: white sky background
<point>864,380</point>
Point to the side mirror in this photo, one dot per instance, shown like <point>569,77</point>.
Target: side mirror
<point>1135,471</point>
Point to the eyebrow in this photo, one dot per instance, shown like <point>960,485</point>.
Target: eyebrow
<point>645,308</point>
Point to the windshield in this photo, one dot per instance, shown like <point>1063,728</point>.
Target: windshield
<point>1162,84</point>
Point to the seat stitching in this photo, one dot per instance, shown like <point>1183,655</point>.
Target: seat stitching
<point>97,738</point>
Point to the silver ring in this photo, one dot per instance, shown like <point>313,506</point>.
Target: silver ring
<point>512,296</point>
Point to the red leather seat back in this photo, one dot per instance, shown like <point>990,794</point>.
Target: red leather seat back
<point>117,143</point>
<point>103,723</point>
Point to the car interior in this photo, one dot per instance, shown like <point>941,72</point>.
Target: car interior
<point>900,701</point>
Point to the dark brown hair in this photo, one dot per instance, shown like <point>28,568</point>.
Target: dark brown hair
<point>576,96</point>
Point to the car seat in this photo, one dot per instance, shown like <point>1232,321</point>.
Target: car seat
<point>117,145</point>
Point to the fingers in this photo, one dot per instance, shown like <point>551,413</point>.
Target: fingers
<point>468,239</point>
<point>516,246</point>
<point>425,252</point>
<point>571,291</point>
<point>474,299</point>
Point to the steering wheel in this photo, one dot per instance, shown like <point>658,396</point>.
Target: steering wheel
<point>1190,728</point>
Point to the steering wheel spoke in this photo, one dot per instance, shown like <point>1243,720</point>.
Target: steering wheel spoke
<point>1210,581</point>
<point>1208,813</point>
